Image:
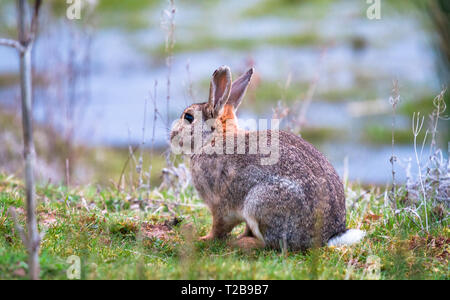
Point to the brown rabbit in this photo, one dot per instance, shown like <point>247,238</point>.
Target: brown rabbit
<point>296,201</point>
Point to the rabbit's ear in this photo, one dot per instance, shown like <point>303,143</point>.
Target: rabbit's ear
<point>238,89</point>
<point>219,89</point>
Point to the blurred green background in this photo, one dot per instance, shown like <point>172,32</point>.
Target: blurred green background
<point>99,79</point>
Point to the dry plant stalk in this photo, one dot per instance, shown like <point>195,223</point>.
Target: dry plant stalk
<point>296,116</point>
<point>310,93</point>
<point>155,118</point>
<point>168,23</point>
<point>394,99</point>
<point>190,87</point>
<point>139,166</point>
<point>440,107</point>
<point>417,125</point>
<point>431,186</point>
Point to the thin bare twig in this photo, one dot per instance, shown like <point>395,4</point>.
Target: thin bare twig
<point>168,22</point>
<point>34,21</point>
<point>12,43</point>
<point>141,159</point>
<point>67,174</point>
<point>33,238</point>
<point>133,150</point>
<point>394,99</point>
<point>190,85</point>
<point>155,118</point>
<point>440,107</point>
<point>175,203</point>
<point>311,91</point>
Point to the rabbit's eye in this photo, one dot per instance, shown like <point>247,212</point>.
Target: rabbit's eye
<point>189,117</point>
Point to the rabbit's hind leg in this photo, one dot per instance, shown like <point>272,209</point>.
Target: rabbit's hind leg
<point>277,217</point>
<point>221,227</point>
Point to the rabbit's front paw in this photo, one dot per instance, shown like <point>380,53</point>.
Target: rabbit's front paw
<point>207,237</point>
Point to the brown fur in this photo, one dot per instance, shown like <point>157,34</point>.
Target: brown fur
<point>296,203</point>
<point>228,120</point>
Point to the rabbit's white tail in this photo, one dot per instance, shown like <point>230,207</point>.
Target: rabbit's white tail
<point>349,237</point>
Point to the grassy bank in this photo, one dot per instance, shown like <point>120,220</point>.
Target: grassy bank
<point>153,235</point>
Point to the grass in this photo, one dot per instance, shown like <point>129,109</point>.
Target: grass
<point>126,15</point>
<point>287,8</point>
<point>117,236</point>
<point>381,135</point>
<point>348,94</point>
<point>207,42</point>
<point>8,79</point>
<point>317,135</point>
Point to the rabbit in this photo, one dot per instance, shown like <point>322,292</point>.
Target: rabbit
<point>295,203</point>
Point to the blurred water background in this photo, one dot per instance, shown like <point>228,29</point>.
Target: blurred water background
<point>97,78</point>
